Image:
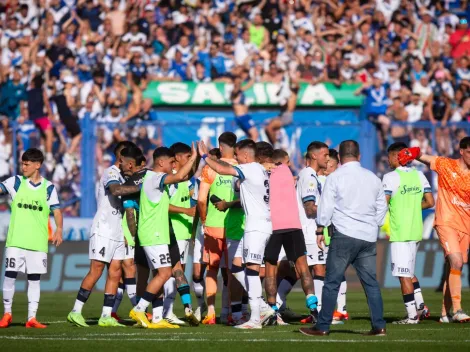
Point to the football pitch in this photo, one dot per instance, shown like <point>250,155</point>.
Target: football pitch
<point>62,336</point>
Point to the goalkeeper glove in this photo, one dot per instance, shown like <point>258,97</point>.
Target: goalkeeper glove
<point>408,154</point>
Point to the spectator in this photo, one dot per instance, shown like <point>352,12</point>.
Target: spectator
<point>460,39</point>
<point>415,108</point>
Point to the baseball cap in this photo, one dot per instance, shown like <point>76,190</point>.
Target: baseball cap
<point>148,7</point>
<point>378,75</point>
<point>439,74</point>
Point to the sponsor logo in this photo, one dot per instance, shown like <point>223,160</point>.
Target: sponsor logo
<point>403,270</point>
<point>245,253</point>
<point>411,190</point>
<point>459,203</point>
<point>256,256</point>
<point>139,181</point>
<point>223,181</point>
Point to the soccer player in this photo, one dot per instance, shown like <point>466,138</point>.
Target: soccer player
<point>181,217</point>
<point>133,169</point>
<point>452,220</point>
<point>107,244</point>
<point>287,233</point>
<point>254,191</point>
<point>240,108</point>
<point>408,192</point>
<point>308,193</point>
<point>33,199</point>
<point>154,236</point>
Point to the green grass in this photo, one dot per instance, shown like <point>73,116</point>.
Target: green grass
<point>62,336</point>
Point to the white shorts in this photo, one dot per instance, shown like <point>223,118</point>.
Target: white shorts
<point>315,255</point>
<point>404,258</point>
<point>198,245</point>
<point>254,244</point>
<point>130,252</point>
<point>183,246</point>
<point>158,256</point>
<point>105,249</point>
<point>234,247</point>
<point>25,261</point>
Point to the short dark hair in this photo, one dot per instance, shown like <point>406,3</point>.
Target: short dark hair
<point>180,148</point>
<point>333,154</point>
<point>246,144</point>
<point>315,145</point>
<point>279,155</point>
<point>123,144</point>
<point>33,155</point>
<point>141,160</point>
<point>132,153</point>
<point>396,147</point>
<point>349,149</point>
<point>228,138</point>
<point>161,152</point>
<point>264,150</point>
<point>464,143</point>
<point>215,152</point>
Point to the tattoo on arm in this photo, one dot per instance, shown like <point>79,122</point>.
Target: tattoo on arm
<point>310,209</point>
<point>121,190</point>
<point>131,223</point>
<point>270,285</point>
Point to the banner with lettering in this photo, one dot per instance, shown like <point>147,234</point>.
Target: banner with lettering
<point>261,94</point>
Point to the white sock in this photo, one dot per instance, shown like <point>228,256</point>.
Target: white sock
<point>318,286</point>
<point>341,301</point>
<point>34,293</point>
<point>225,306</point>
<point>157,310</point>
<point>119,295</point>
<point>198,288</point>
<point>410,306</point>
<point>419,297</point>
<point>82,297</point>
<point>8,293</point>
<point>142,305</point>
<point>255,292</point>
<point>169,290</point>
<point>78,306</point>
<point>282,291</point>
<point>131,288</point>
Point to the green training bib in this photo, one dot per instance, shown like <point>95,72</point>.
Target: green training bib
<point>125,230</point>
<point>182,223</point>
<point>29,218</point>
<point>406,217</point>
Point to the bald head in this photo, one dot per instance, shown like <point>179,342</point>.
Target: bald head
<point>349,150</point>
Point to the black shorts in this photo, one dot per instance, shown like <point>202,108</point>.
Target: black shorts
<point>174,250</point>
<point>139,254</point>
<point>293,242</point>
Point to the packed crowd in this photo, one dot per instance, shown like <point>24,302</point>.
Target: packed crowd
<point>64,59</point>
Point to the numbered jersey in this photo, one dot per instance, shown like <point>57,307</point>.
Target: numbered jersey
<point>254,195</point>
<point>108,219</point>
<point>308,190</point>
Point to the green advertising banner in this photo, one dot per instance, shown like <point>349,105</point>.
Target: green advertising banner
<point>261,94</point>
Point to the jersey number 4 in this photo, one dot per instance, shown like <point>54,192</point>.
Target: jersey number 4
<point>102,252</point>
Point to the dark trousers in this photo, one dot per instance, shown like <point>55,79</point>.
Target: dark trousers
<point>342,252</point>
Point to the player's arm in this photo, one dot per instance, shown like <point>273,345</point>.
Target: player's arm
<point>224,205</point>
<point>182,173</point>
<point>381,205</point>
<point>202,200</point>
<point>173,209</point>
<point>219,166</point>
<point>327,204</point>
<point>131,223</point>
<point>427,159</point>
<point>428,198</point>
<point>59,223</point>
<point>117,189</point>
<point>310,209</point>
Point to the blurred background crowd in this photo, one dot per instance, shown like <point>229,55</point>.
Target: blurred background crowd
<point>64,59</point>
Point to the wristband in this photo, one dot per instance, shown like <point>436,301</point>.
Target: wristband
<point>318,233</point>
<point>203,157</point>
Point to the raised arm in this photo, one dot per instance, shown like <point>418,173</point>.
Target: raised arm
<point>219,166</point>
<point>183,173</point>
<point>121,190</point>
<point>202,200</point>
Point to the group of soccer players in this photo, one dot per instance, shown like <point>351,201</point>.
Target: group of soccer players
<point>239,209</point>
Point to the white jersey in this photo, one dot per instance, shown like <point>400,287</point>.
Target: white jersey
<point>308,189</point>
<point>391,181</point>
<point>108,219</point>
<point>254,194</point>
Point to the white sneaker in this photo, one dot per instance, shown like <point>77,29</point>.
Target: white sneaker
<point>249,325</point>
<point>407,321</point>
<point>224,318</point>
<point>445,319</point>
<point>199,312</point>
<point>460,317</point>
<point>265,315</point>
<point>173,319</point>
<point>279,320</point>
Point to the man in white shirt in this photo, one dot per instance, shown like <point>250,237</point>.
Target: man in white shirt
<point>354,202</point>
<point>415,108</point>
<point>254,195</point>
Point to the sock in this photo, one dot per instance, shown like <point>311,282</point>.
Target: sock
<point>245,303</point>
<point>145,302</point>
<point>82,297</point>
<point>34,293</point>
<point>410,305</point>
<point>198,288</point>
<point>157,309</point>
<point>239,274</point>
<point>418,295</point>
<point>318,286</point>
<point>446,300</point>
<point>119,295</point>
<point>211,287</point>
<point>169,292</point>
<point>455,288</point>
<point>311,301</point>
<point>255,292</point>
<point>225,298</point>
<point>9,290</point>
<point>341,300</point>
<point>131,288</point>
<point>185,294</point>
<point>236,310</point>
<point>283,290</point>
<point>109,300</point>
